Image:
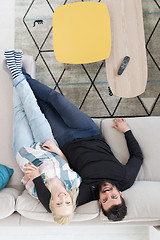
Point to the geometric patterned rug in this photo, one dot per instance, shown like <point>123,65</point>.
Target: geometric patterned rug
<point>86,85</point>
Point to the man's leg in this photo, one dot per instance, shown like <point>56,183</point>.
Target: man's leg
<point>61,131</point>
<point>81,124</point>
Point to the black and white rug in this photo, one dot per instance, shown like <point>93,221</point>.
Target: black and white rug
<point>86,85</point>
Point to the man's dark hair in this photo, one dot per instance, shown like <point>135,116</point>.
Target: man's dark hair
<point>116,212</point>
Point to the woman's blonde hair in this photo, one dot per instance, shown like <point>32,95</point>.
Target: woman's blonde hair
<point>63,219</point>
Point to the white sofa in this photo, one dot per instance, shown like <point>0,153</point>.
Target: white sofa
<point>18,208</point>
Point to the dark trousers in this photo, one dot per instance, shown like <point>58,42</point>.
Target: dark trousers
<point>66,120</point>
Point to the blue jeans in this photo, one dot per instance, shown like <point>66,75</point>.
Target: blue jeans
<point>66,120</point>
<point>30,125</point>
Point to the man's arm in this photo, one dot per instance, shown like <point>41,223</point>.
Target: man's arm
<point>136,158</point>
<point>133,146</point>
<point>86,194</point>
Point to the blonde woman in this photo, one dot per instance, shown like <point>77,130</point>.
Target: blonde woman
<point>36,150</point>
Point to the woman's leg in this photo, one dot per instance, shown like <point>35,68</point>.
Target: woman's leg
<point>81,124</point>
<point>22,134</point>
<point>38,124</point>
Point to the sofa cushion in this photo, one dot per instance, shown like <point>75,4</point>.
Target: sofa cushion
<point>5,174</point>
<point>146,130</point>
<point>30,65</point>
<point>142,201</point>
<point>30,207</point>
<point>7,201</point>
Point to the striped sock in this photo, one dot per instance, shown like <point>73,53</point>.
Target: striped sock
<point>9,55</point>
<point>18,59</point>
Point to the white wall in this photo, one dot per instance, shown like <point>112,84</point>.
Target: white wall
<point>7,28</point>
<point>7,24</point>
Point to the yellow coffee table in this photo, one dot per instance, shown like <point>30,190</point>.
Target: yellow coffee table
<point>127,33</point>
<point>81,32</point>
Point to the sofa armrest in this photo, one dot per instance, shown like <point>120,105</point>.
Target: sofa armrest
<point>29,65</point>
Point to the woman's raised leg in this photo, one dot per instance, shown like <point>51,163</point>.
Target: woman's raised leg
<point>22,134</point>
<point>40,128</point>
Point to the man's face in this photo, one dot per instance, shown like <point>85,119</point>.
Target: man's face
<point>109,195</point>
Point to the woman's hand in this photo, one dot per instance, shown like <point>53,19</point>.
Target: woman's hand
<point>121,125</point>
<point>31,171</point>
<point>26,178</point>
<point>50,146</point>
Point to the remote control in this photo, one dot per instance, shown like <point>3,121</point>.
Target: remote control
<point>123,65</point>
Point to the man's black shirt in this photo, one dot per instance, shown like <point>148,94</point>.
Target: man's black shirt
<point>94,161</point>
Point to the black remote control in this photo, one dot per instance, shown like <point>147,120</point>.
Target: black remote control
<point>123,65</point>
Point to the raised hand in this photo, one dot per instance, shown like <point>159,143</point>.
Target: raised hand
<point>121,125</point>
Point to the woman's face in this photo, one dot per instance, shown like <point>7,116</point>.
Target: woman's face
<point>62,202</point>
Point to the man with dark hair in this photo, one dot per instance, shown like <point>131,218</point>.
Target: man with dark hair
<point>112,202</point>
<point>88,154</point>
<point>116,212</point>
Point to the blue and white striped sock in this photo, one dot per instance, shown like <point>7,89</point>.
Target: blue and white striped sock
<point>18,59</point>
<point>9,55</point>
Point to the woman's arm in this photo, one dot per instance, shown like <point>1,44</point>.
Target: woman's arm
<point>44,195</point>
<point>50,146</point>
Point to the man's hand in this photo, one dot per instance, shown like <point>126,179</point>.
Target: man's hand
<point>121,125</point>
<point>50,146</point>
<point>31,171</point>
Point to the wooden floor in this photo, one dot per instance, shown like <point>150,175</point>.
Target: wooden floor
<point>75,233</point>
